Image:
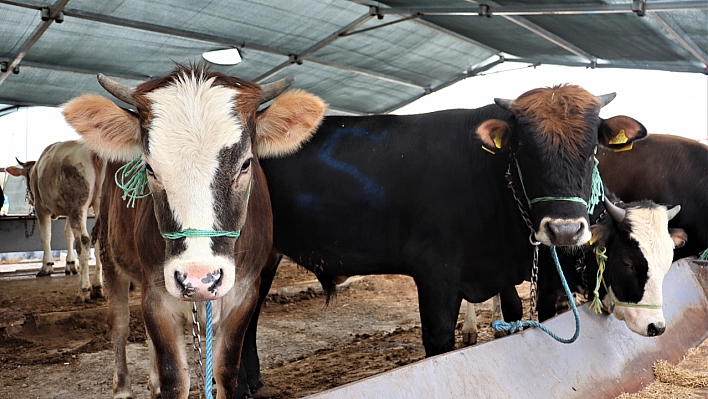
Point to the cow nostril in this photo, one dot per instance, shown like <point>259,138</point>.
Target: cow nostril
<point>579,232</point>
<point>215,278</point>
<point>186,289</point>
<point>653,330</point>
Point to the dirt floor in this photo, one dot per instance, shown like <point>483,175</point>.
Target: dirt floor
<point>62,350</point>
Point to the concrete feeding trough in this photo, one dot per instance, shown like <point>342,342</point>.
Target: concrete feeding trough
<point>606,360</point>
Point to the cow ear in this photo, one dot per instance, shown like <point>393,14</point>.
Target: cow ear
<point>495,135</point>
<point>288,123</point>
<point>106,129</point>
<point>600,234</point>
<point>679,236</point>
<point>619,131</point>
<point>14,171</point>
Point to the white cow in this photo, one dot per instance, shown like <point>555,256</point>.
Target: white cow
<point>66,181</point>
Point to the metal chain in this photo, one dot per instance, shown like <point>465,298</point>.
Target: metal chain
<point>34,223</point>
<point>533,290</point>
<point>197,345</point>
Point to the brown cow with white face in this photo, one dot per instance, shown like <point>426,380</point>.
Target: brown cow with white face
<point>198,136</point>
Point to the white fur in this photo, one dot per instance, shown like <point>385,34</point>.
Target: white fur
<point>650,230</point>
<point>192,122</point>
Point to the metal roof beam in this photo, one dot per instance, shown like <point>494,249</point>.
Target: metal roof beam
<point>539,31</point>
<point>678,33</point>
<point>485,9</point>
<point>197,36</point>
<point>652,66</point>
<point>471,71</point>
<point>54,12</point>
<point>298,58</point>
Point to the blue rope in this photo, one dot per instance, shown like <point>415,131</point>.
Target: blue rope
<point>515,326</point>
<point>208,365</point>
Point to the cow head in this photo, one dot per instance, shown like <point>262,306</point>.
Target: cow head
<point>198,134</point>
<point>639,248</point>
<point>24,171</point>
<point>554,135</point>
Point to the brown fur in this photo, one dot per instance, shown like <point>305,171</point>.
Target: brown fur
<point>558,113</point>
<point>491,129</point>
<point>92,114</point>
<point>284,120</point>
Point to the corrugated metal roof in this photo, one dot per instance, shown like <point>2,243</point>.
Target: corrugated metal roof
<point>360,56</point>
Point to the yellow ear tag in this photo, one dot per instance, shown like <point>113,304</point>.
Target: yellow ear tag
<point>625,148</point>
<point>498,142</point>
<point>592,241</point>
<point>621,138</point>
<point>488,150</point>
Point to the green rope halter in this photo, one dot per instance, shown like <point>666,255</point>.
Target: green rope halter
<point>596,305</point>
<point>703,255</point>
<point>201,233</point>
<point>136,185</point>
<point>597,190</point>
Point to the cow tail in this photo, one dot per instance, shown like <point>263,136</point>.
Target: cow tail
<point>330,289</point>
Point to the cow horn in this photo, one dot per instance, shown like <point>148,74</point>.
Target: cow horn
<point>19,162</point>
<point>673,211</point>
<point>615,211</point>
<point>118,90</point>
<point>273,90</point>
<point>504,103</point>
<point>606,99</point>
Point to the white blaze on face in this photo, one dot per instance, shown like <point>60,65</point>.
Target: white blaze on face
<point>650,229</point>
<point>192,121</point>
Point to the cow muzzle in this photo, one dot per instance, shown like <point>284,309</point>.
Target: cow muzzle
<point>563,232</point>
<point>199,286</point>
<point>199,281</point>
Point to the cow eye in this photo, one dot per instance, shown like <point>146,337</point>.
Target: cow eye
<point>149,170</point>
<point>245,166</point>
<point>628,264</point>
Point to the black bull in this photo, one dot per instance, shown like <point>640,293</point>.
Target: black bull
<point>418,195</point>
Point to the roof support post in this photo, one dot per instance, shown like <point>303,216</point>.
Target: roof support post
<point>678,33</point>
<point>298,58</point>
<point>56,12</point>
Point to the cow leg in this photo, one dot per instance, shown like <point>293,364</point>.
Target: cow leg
<point>78,226</point>
<point>118,293</point>
<point>229,343</point>
<point>469,329</point>
<point>153,378</point>
<point>45,235</point>
<point>439,306</point>
<point>498,314</point>
<point>546,304</point>
<point>250,381</point>
<point>97,279</point>
<point>167,334</point>
<point>70,258</point>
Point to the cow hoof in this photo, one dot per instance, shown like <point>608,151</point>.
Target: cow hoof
<point>500,334</point>
<point>43,273</point>
<point>84,296</point>
<point>74,272</point>
<point>96,292</point>
<point>469,338</point>
<point>67,272</point>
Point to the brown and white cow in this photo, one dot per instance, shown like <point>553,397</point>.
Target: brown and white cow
<point>198,135</point>
<point>66,181</point>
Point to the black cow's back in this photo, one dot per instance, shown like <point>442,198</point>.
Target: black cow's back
<point>400,194</point>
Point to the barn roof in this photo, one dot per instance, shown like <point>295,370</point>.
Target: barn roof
<point>361,56</point>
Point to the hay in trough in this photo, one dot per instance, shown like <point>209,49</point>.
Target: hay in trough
<point>687,380</point>
<point>670,374</point>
